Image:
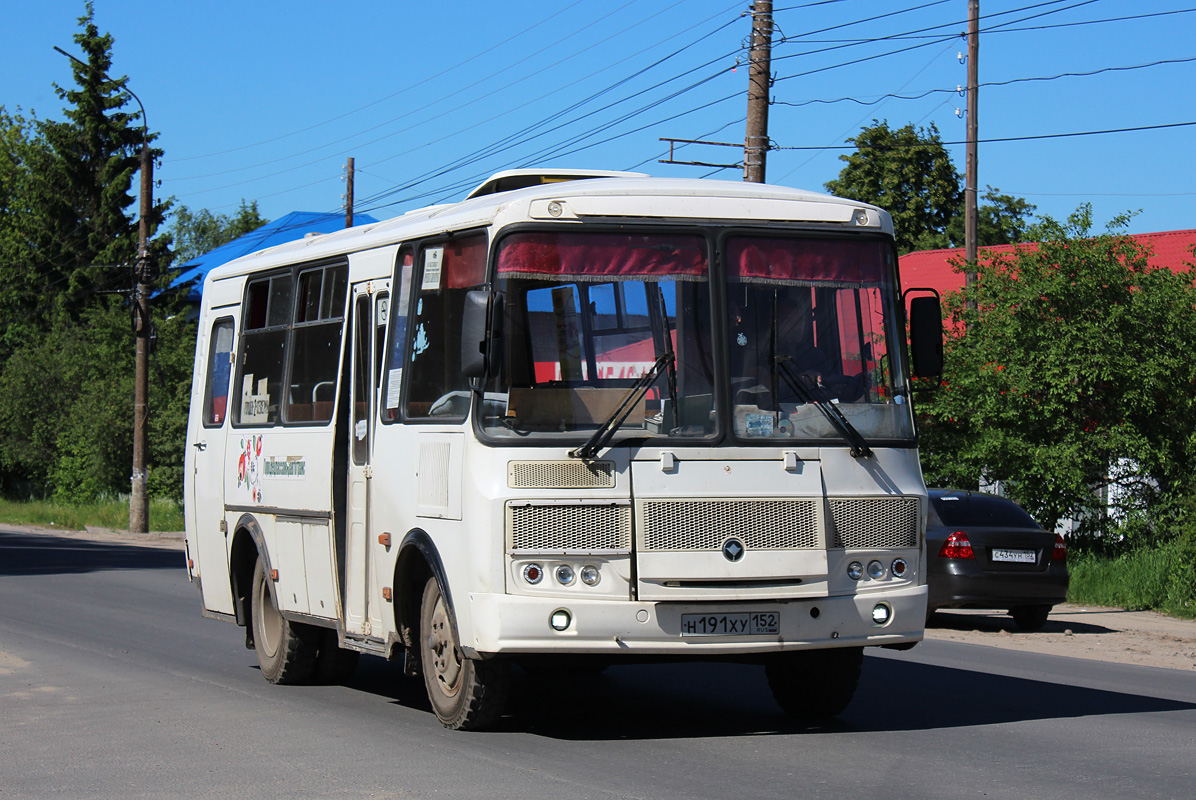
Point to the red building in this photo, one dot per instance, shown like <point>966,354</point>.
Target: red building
<point>933,268</point>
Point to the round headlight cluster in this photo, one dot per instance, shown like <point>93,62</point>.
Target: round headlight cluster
<point>565,574</point>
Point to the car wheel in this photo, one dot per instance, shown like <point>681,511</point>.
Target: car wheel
<point>1029,618</point>
<point>814,685</point>
<point>286,651</point>
<point>466,693</point>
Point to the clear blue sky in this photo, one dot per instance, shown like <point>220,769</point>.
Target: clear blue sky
<point>265,100</point>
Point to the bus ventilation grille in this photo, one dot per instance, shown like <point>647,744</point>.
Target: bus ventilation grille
<point>866,523</point>
<point>561,474</point>
<point>569,527</point>
<point>707,524</point>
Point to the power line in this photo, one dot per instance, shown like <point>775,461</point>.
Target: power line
<point>1003,138</point>
<point>929,92</point>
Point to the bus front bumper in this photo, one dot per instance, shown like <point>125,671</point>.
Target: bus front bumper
<point>509,624</point>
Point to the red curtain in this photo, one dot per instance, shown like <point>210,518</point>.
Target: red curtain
<point>602,256</point>
<point>806,260</point>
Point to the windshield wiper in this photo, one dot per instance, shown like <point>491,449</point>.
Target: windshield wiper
<point>814,393</point>
<point>617,417</point>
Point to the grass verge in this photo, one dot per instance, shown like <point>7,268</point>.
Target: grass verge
<point>164,515</point>
<point>1159,579</point>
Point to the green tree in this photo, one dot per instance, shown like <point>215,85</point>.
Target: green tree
<point>1072,375</point>
<point>69,236</point>
<point>200,232</point>
<point>908,172</point>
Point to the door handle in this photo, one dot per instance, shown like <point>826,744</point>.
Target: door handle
<point>200,445</point>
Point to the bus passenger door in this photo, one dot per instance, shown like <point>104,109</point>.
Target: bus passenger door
<point>358,571</point>
<point>206,461</point>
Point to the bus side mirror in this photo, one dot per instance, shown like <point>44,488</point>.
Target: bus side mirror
<point>926,337</point>
<point>480,305</point>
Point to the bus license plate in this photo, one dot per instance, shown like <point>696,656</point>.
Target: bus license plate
<point>751,623</point>
<point>1014,556</point>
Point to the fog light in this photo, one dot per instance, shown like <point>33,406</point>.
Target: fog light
<point>876,570</point>
<point>590,575</point>
<point>560,620</point>
<point>855,570</point>
<point>881,614</point>
<point>899,567</point>
<point>533,574</point>
<point>564,575</point>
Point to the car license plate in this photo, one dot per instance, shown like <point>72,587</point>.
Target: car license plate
<point>1014,556</point>
<point>750,623</point>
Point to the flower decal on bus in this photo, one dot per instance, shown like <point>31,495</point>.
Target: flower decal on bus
<point>249,467</point>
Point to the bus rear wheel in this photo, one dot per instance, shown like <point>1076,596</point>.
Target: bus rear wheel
<point>815,685</point>
<point>466,693</point>
<point>286,651</point>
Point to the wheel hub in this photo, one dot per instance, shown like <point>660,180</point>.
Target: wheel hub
<point>446,658</point>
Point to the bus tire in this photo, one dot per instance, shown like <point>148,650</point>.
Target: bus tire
<point>334,664</point>
<point>815,685</point>
<point>286,651</point>
<point>465,693</point>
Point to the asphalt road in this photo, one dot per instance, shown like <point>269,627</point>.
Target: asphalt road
<point>113,685</point>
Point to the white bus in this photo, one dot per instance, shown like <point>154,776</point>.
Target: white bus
<point>577,417</point>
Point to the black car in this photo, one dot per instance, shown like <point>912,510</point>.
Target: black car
<point>984,551</point>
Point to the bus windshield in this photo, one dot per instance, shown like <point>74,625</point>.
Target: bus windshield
<point>587,314</point>
<point>809,324</point>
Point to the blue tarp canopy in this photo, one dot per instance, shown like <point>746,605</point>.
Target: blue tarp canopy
<point>293,226</point>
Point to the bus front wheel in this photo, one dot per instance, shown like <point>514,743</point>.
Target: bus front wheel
<point>815,685</point>
<point>286,651</point>
<point>466,693</point>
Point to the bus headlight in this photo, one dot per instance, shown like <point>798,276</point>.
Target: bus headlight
<point>881,614</point>
<point>560,620</point>
<point>855,570</point>
<point>590,575</point>
<point>876,570</point>
<point>564,575</point>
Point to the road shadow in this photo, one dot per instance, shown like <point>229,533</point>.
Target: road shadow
<point>708,700</point>
<point>36,554</point>
<point>999,622</point>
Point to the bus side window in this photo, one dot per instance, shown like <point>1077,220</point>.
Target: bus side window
<point>436,388</point>
<point>220,350</point>
<point>263,344</point>
<point>391,361</point>
<point>316,344</point>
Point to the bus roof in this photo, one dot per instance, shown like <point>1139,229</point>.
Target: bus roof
<point>592,196</point>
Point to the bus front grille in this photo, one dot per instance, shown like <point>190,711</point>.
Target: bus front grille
<point>703,525</point>
<point>563,526</point>
<point>573,474</point>
<point>873,522</point>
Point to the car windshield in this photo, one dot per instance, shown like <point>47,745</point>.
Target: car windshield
<point>809,322</point>
<point>980,510</point>
<point>585,316</point>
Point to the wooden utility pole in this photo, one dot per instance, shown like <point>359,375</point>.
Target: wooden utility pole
<point>139,497</point>
<point>971,212</point>
<point>349,194</point>
<point>755,144</point>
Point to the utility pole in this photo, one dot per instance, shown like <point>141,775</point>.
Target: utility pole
<point>971,211</point>
<point>349,194</point>
<point>139,494</point>
<point>755,144</point>
<point>139,497</point>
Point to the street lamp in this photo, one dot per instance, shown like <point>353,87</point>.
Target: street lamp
<point>139,496</point>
